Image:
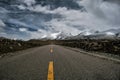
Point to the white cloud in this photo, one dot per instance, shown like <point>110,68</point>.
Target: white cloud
<point>44,36</point>
<point>22,29</point>
<point>29,2</point>
<point>54,35</point>
<point>62,26</point>
<point>17,22</point>
<point>104,10</point>
<point>112,12</point>
<point>38,34</point>
<point>2,24</point>
<point>39,8</point>
<point>22,7</point>
<point>51,35</point>
<point>99,16</point>
<point>71,18</point>
<point>46,9</point>
<point>110,33</point>
<point>35,35</point>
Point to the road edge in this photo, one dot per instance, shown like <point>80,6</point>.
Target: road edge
<point>94,54</point>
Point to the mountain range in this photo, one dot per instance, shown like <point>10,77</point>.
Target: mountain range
<point>108,34</point>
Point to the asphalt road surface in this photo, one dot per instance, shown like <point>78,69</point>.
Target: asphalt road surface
<point>54,62</point>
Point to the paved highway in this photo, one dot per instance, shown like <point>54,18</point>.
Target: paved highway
<point>54,62</point>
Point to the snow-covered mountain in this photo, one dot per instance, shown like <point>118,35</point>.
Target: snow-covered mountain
<point>108,34</point>
<point>56,36</point>
<point>63,36</point>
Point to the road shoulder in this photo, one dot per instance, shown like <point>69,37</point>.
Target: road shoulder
<point>96,54</point>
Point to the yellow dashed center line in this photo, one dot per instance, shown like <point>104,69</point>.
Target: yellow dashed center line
<point>50,71</point>
<point>51,50</point>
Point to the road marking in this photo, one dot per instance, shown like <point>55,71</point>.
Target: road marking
<point>50,71</point>
<point>51,50</point>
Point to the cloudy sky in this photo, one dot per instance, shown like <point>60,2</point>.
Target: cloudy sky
<point>29,19</point>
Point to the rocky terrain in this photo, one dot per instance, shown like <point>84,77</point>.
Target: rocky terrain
<point>110,46</point>
<point>8,45</point>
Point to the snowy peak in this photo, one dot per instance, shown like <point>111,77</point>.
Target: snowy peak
<point>63,35</point>
<point>57,36</point>
<point>108,34</point>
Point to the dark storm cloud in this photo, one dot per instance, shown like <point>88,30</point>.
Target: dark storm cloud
<point>59,3</point>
